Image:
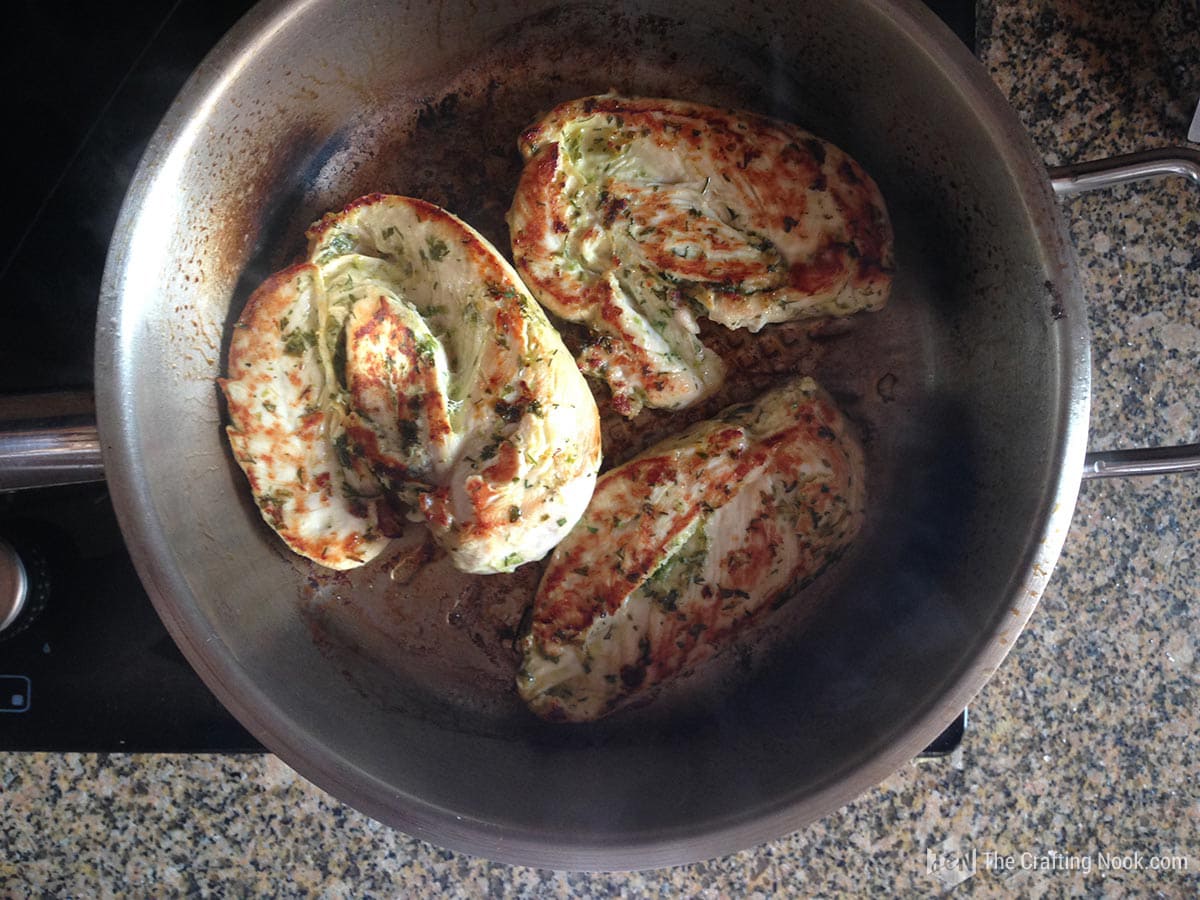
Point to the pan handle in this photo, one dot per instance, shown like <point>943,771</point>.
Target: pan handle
<point>48,440</point>
<point>1106,173</point>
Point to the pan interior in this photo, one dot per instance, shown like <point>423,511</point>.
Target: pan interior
<point>391,685</point>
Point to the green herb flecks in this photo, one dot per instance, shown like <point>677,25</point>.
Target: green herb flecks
<point>299,340</point>
<point>427,347</point>
<point>341,448</point>
<point>339,245</point>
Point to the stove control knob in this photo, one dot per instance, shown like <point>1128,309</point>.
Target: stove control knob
<point>23,587</point>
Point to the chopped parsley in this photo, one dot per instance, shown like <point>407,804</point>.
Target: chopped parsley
<point>296,342</point>
<point>339,245</point>
<point>427,347</point>
<point>341,447</point>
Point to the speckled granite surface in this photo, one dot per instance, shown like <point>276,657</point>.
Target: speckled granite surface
<point>1085,743</point>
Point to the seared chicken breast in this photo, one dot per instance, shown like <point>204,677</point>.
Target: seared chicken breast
<point>687,543</point>
<point>279,427</point>
<point>635,216</point>
<point>437,389</point>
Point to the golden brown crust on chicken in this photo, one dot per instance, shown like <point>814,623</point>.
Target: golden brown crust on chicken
<point>687,543</point>
<point>635,216</point>
<point>278,427</point>
<point>437,385</point>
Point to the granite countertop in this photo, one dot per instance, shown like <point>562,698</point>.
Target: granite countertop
<point>1086,742</point>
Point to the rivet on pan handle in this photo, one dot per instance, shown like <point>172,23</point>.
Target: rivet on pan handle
<point>1106,173</point>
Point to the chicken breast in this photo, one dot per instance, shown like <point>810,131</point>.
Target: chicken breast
<point>442,390</point>
<point>279,426</point>
<point>687,543</point>
<point>635,216</point>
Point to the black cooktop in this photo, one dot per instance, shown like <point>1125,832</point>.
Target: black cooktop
<point>95,670</point>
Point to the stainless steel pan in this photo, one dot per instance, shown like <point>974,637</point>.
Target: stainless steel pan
<point>388,687</point>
